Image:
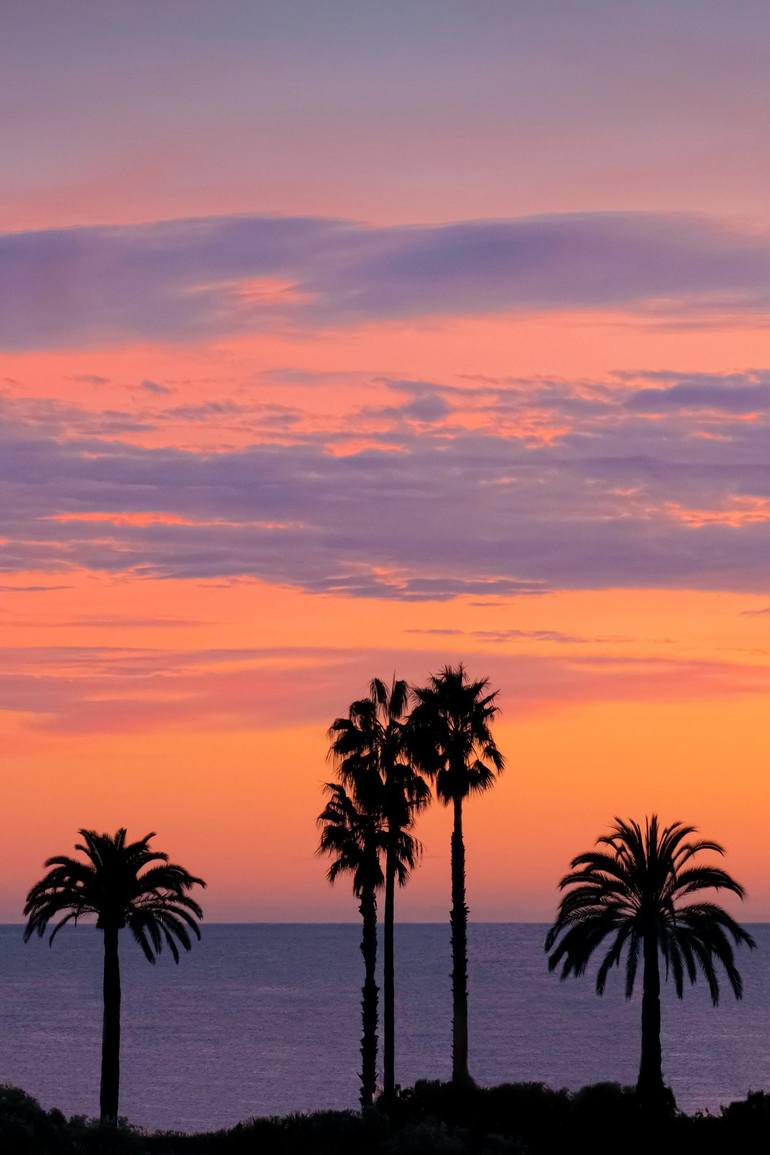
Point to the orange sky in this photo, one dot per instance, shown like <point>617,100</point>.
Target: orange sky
<point>246,464</point>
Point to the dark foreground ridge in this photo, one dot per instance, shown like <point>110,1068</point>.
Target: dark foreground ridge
<point>512,1119</point>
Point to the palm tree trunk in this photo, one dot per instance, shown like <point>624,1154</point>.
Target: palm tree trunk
<point>650,1083</point>
<point>110,1084</point>
<point>389,1015</point>
<point>369,993</point>
<point>459,922</point>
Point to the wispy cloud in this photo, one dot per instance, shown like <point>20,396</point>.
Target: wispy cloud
<point>20,589</point>
<point>726,397</point>
<point>558,637</point>
<point>84,689</point>
<point>559,485</point>
<point>156,388</point>
<point>202,278</point>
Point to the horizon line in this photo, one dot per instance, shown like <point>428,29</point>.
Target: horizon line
<point>357,923</point>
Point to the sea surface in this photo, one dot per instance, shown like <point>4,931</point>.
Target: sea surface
<point>264,1019</point>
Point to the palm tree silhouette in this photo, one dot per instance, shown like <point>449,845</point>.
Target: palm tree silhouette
<point>353,835</point>
<point>451,741</point>
<point>633,890</point>
<point>372,759</point>
<point>124,884</point>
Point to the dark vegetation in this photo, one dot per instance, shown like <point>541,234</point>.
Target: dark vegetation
<point>512,1119</point>
<point>26,1129</point>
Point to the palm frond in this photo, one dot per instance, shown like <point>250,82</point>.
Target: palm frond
<point>374,765</point>
<point>121,884</point>
<point>632,883</point>
<point>450,735</point>
<point>353,837</point>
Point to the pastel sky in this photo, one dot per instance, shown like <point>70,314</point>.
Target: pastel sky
<point>344,338</point>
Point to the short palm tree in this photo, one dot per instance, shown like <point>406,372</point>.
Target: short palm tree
<point>451,741</point>
<point>353,836</point>
<point>123,885</point>
<point>371,754</point>
<point>631,888</point>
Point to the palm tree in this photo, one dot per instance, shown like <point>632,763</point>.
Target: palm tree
<point>372,759</point>
<point>633,891</point>
<point>451,741</point>
<point>123,884</point>
<point>353,835</point>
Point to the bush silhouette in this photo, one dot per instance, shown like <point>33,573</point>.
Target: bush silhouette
<point>27,1129</point>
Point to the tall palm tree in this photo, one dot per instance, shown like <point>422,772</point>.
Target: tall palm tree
<point>123,884</point>
<point>352,835</point>
<point>372,758</point>
<point>451,741</point>
<point>631,888</point>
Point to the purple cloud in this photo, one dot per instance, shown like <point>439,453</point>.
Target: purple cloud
<point>534,518</point>
<point>178,279</point>
<point>155,387</point>
<point>727,397</point>
<point>614,500</point>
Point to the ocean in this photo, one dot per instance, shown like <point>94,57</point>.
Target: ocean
<point>264,1019</point>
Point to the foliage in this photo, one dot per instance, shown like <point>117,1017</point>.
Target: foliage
<point>352,837</point>
<point>635,887</point>
<point>370,751</point>
<point>450,733</point>
<point>510,1119</point>
<point>27,1129</point>
<point>123,885</point>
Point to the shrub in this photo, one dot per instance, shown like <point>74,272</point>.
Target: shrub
<point>27,1129</point>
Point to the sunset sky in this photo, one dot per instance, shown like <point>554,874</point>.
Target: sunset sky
<point>345,337</point>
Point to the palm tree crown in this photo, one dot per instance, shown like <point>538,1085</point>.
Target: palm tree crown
<point>450,733</point>
<point>371,753</point>
<point>635,888</point>
<point>353,837</point>
<point>124,884</point>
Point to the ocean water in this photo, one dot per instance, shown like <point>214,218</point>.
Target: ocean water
<point>262,1019</point>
